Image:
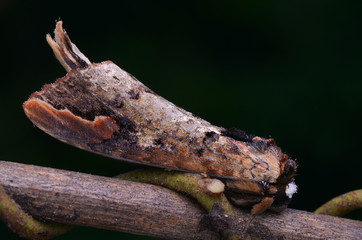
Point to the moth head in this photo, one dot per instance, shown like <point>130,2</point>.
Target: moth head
<point>285,186</point>
<point>260,195</point>
<point>263,195</point>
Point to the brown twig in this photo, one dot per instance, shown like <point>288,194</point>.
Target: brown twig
<point>342,204</point>
<point>25,225</point>
<point>83,199</point>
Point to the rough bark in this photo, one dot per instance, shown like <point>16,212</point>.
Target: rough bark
<point>88,200</point>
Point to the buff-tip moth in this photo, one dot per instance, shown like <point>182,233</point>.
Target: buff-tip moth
<point>101,108</point>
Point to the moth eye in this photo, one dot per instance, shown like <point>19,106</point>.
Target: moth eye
<point>266,186</point>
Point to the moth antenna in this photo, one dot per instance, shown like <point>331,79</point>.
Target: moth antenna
<point>65,51</point>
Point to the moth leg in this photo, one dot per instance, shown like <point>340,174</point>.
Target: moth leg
<point>263,205</point>
<point>25,225</point>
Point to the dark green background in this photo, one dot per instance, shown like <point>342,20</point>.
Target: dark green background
<point>287,69</point>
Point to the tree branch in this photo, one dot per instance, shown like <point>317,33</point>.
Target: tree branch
<point>342,204</point>
<point>114,204</point>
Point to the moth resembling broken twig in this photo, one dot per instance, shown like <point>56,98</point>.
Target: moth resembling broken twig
<point>101,108</point>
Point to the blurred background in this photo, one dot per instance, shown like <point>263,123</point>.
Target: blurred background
<point>288,70</point>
